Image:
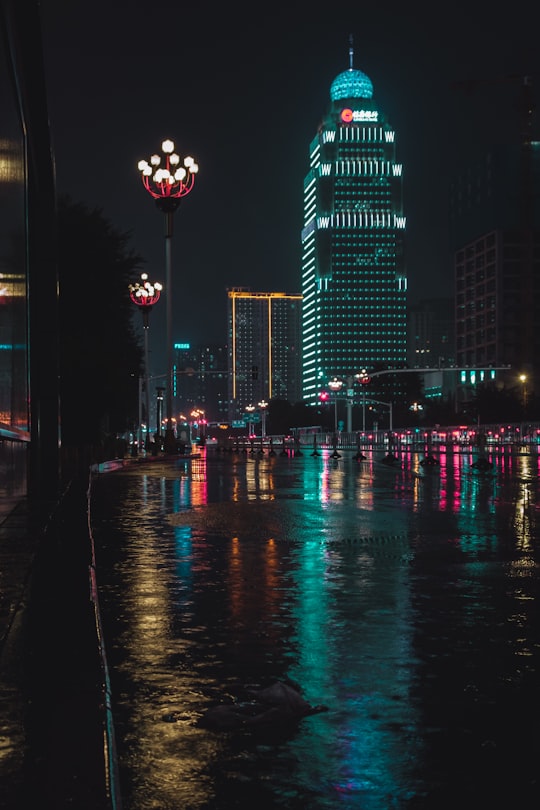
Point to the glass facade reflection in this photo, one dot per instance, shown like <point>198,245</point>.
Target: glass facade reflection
<point>29,399</point>
<point>13,296</point>
<point>14,424</point>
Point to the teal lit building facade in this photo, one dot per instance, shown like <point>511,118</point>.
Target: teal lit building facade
<point>354,285</point>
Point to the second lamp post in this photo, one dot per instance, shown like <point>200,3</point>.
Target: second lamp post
<point>145,295</point>
<point>263,405</point>
<point>335,385</point>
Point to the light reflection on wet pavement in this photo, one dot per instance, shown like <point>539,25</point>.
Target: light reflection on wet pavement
<point>405,602</point>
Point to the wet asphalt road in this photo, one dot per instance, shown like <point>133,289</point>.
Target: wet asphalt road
<point>406,602</point>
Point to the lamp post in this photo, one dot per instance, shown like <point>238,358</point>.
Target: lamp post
<point>416,407</point>
<point>159,415</point>
<point>364,379</point>
<point>263,405</point>
<point>167,182</point>
<point>523,381</point>
<point>250,409</point>
<point>349,402</point>
<point>335,385</point>
<point>197,415</point>
<point>145,295</point>
<point>390,420</point>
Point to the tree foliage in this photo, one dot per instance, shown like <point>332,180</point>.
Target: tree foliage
<point>100,353</point>
<point>282,415</point>
<point>490,404</point>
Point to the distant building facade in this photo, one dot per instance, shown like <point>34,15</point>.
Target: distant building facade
<point>431,344</point>
<point>495,219</point>
<point>201,381</point>
<point>264,348</point>
<point>430,333</point>
<point>354,285</point>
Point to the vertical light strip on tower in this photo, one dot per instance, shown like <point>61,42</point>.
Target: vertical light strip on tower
<point>269,394</point>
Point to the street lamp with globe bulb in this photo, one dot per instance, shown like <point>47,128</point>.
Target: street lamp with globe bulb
<point>168,182</point>
<point>144,295</point>
<point>364,379</point>
<point>335,385</point>
<point>250,410</point>
<point>263,405</point>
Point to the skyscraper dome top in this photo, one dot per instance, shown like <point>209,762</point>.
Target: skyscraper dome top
<point>351,83</point>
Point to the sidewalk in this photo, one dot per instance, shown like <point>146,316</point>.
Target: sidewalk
<point>54,750</point>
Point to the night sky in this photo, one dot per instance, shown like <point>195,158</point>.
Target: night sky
<point>243,89</point>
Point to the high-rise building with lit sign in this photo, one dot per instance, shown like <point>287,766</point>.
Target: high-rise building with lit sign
<point>353,278</point>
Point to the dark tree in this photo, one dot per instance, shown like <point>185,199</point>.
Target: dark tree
<point>282,415</point>
<point>490,404</point>
<point>100,353</point>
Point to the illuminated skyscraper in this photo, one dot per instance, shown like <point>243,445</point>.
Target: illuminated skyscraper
<point>264,348</point>
<point>353,279</point>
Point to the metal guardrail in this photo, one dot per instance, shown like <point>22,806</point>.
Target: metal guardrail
<point>494,435</point>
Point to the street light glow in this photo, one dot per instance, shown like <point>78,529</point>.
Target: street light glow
<point>166,181</point>
<point>335,384</point>
<point>146,294</point>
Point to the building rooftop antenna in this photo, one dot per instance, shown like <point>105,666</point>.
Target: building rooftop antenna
<point>351,51</point>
